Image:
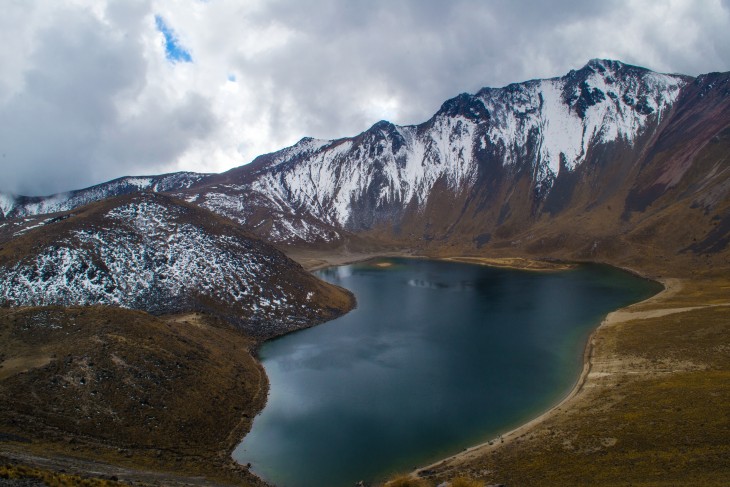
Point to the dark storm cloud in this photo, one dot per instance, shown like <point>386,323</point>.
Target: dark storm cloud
<point>419,53</point>
<point>68,127</point>
<point>88,96</point>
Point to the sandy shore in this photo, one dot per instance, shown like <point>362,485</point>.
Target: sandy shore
<point>517,263</point>
<point>315,260</point>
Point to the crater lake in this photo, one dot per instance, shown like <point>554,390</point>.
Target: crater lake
<point>436,357</point>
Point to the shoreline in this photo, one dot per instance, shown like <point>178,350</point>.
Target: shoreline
<point>671,287</point>
<point>314,261</point>
<point>515,263</point>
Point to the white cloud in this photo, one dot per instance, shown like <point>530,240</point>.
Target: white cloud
<point>87,93</point>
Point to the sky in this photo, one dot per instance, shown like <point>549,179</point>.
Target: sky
<point>91,90</point>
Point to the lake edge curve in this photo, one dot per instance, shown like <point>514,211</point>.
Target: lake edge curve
<point>519,264</point>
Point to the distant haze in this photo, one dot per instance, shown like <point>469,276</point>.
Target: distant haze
<point>91,90</point>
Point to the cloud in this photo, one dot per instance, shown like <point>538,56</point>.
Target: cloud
<point>85,109</point>
<point>92,90</point>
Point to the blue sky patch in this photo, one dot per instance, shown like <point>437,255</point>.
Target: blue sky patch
<point>174,52</point>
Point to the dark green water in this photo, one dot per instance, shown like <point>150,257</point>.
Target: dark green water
<point>437,356</point>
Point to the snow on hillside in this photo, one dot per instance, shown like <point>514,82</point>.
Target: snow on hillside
<point>140,258</point>
<point>568,116</point>
<point>392,165</point>
<point>7,202</point>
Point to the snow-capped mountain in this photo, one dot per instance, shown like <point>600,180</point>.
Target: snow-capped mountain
<point>511,166</point>
<point>149,252</point>
<point>539,126</point>
<point>502,154</point>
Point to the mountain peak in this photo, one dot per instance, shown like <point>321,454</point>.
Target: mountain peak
<point>465,105</point>
<point>603,64</point>
<point>383,126</point>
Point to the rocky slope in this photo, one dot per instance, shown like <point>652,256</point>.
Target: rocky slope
<point>150,252</point>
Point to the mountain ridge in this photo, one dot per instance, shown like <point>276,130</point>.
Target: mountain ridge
<point>496,170</point>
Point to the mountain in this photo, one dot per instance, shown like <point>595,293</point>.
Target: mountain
<point>21,206</point>
<point>151,252</point>
<point>610,163</point>
<point>531,131</point>
<point>596,164</point>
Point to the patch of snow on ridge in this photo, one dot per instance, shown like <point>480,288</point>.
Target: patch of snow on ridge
<point>183,180</point>
<point>7,202</point>
<point>622,108</point>
<point>68,201</point>
<point>140,183</point>
<point>50,204</point>
<point>39,223</point>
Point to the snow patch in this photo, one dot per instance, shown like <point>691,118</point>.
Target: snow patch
<point>140,183</point>
<point>7,202</point>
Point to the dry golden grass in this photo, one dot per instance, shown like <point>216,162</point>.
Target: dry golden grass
<point>406,481</point>
<point>409,481</point>
<point>465,482</point>
<point>53,479</point>
<point>125,388</point>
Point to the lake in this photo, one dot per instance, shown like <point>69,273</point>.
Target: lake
<point>437,356</point>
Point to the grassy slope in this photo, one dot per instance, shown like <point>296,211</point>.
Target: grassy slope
<point>126,389</point>
<point>22,475</point>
